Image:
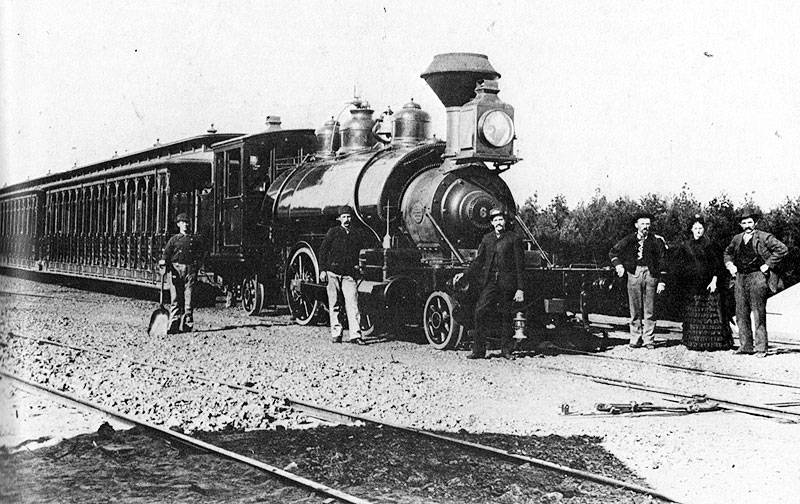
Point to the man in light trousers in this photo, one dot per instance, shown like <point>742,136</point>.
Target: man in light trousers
<point>338,259</point>
<point>642,255</point>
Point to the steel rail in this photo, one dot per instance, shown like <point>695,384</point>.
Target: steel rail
<point>685,369</point>
<point>335,414</point>
<point>5,293</point>
<point>490,450</point>
<point>753,409</point>
<point>727,404</point>
<point>286,475</point>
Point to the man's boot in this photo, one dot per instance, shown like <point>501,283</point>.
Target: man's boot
<point>478,346</point>
<point>507,348</point>
<point>187,323</point>
<point>174,326</point>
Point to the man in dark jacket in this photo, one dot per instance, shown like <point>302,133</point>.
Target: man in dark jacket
<point>751,258</point>
<point>642,255</point>
<point>338,258</point>
<point>182,256</point>
<point>498,266</point>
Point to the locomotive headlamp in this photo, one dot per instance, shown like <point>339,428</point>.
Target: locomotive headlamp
<point>486,128</point>
<point>519,326</point>
<point>496,127</point>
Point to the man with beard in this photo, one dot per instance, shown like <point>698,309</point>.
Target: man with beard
<point>500,262</point>
<point>338,261</point>
<point>751,258</point>
<point>643,256</point>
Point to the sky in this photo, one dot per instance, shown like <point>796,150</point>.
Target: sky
<point>624,97</point>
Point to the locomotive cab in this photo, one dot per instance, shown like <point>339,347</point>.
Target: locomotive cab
<point>241,210</point>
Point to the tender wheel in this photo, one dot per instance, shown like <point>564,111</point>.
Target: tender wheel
<point>302,267</point>
<point>252,294</point>
<point>441,329</point>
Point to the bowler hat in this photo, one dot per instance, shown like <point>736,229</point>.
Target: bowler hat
<point>642,215</point>
<point>346,209</point>
<point>494,212</point>
<point>749,212</point>
<point>182,217</point>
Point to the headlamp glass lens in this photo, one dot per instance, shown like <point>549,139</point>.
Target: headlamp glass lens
<point>497,128</point>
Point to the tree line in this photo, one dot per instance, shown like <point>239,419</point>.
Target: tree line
<point>585,233</point>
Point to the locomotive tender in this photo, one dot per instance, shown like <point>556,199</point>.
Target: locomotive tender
<point>265,201</point>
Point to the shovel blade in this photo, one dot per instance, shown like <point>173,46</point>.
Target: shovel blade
<point>159,323</point>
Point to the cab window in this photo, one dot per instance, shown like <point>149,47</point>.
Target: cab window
<point>233,173</point>
<point>257,177</point>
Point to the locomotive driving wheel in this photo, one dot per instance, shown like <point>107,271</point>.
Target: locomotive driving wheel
<point>252,294</point>
<point>441,329</point>
<point>302,267</point>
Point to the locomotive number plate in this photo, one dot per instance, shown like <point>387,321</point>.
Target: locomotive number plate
<point>418,212</point>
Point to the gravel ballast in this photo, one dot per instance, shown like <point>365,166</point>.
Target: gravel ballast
<point>706,457</point>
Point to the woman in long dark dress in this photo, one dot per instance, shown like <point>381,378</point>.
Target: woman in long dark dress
<point>700,270</point>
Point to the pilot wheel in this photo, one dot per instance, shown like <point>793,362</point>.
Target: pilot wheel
<point>441,329</point>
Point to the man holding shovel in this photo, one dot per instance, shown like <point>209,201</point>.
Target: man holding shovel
<point>182,256</point>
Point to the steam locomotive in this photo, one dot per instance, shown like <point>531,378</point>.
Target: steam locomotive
<point>265,201</point>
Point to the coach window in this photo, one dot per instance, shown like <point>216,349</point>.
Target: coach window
<point>233,173</point>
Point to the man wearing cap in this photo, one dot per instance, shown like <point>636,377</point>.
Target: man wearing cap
<point>499,266</point>
<point>338,260</point>
<point>751,258</point>
<point>642,255</point>
<point>182,256</point>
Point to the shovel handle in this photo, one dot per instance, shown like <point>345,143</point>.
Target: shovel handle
<point>161,290</point>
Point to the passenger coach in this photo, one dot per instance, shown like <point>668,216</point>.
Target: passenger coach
<point>108,220</point>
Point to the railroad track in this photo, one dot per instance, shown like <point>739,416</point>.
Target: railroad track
<point>6,293</point>
<point>341,416</point>
<point>768,411</point>
<point>317,487</point>
<point>726,404</point>
<point>684,369</point>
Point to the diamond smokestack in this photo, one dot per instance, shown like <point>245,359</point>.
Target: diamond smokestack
<point>453,77</point>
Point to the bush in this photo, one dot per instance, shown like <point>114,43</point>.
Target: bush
<point>587,232</point>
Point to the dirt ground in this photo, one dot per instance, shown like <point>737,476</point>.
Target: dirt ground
<point>377,464</point>
<point>708,457</point>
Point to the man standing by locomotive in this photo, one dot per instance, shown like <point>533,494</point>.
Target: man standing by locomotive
<point>642,255</point>
<point>338,260</point>
<point>182,256</point>
<point>751,258</point>
<point>500,263</point>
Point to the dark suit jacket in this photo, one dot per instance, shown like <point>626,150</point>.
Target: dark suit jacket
<point>507,252</point>
<point>654,254</point>
<point>769,248</point>
<point>339,250</point>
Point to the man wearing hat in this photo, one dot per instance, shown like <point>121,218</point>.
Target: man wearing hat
<point>751,258</point>
<point>338,261</point>
<point>498,266</point>
<point>182,256</point>
<point>642,256</point>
